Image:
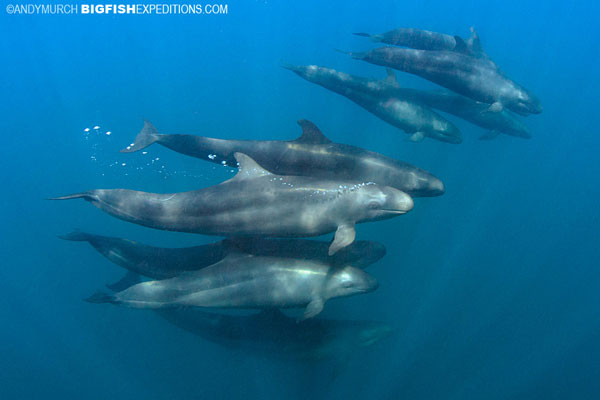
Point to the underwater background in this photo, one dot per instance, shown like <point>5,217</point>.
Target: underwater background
<point>492,288</point>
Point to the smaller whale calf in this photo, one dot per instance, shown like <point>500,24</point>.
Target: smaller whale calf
<point>246,281</point>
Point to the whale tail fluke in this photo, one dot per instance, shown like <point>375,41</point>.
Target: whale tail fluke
<point>289,66</point>
<point>89,196</point>
<point>76,236</point>
<point>358,56</point>
<point>131,278</point>
<point>374,38</point>
<point>101,297</point>
<point>148,135</point>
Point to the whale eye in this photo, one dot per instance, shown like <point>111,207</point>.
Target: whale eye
<point>373,204</point>
<point>347,284</point>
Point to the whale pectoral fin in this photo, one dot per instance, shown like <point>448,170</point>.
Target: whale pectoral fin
<point>344,235</point>
<point>313,308</point>
<point>417,137</point>
<point>489,135</point>
<point>496,107</point>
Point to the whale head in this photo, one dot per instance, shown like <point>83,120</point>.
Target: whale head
<point>445,131</point>
<point>348,281</point>
<point>516,127</point>
<point>372,202</point>
<point>526,103</point>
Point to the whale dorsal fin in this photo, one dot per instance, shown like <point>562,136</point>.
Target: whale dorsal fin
<point>311,134</point>
<point>461,46</point>
<point>475,44</point>
<point>248,168</point>
<point>391,77</point>
<point>231,256</point>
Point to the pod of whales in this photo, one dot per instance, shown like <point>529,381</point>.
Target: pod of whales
<point>470,73</point>
<point>312,154</point>
<point>242,280</point>
<point>256,202</point>
<point>306,187</point>
<point>393,107</point>
<point>388,89</point>
<point>269,332</point>
<point>161,263</point>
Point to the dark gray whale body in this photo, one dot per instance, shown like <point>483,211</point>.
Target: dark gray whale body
<point>415,39</point>
<point>272,333</point>
<point>247,281</point>
<point>150,261</point>
<point>478,78</point>
<point>393,107</point>
<point>426,40</point>
<point>256,202</point>
<point>310,155</point>
<point>161,263</point>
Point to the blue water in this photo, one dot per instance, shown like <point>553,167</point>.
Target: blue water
<point>493,288</point>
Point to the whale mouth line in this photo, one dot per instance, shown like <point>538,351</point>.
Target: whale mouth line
<point>362,290</point>
<point>392,211</point>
